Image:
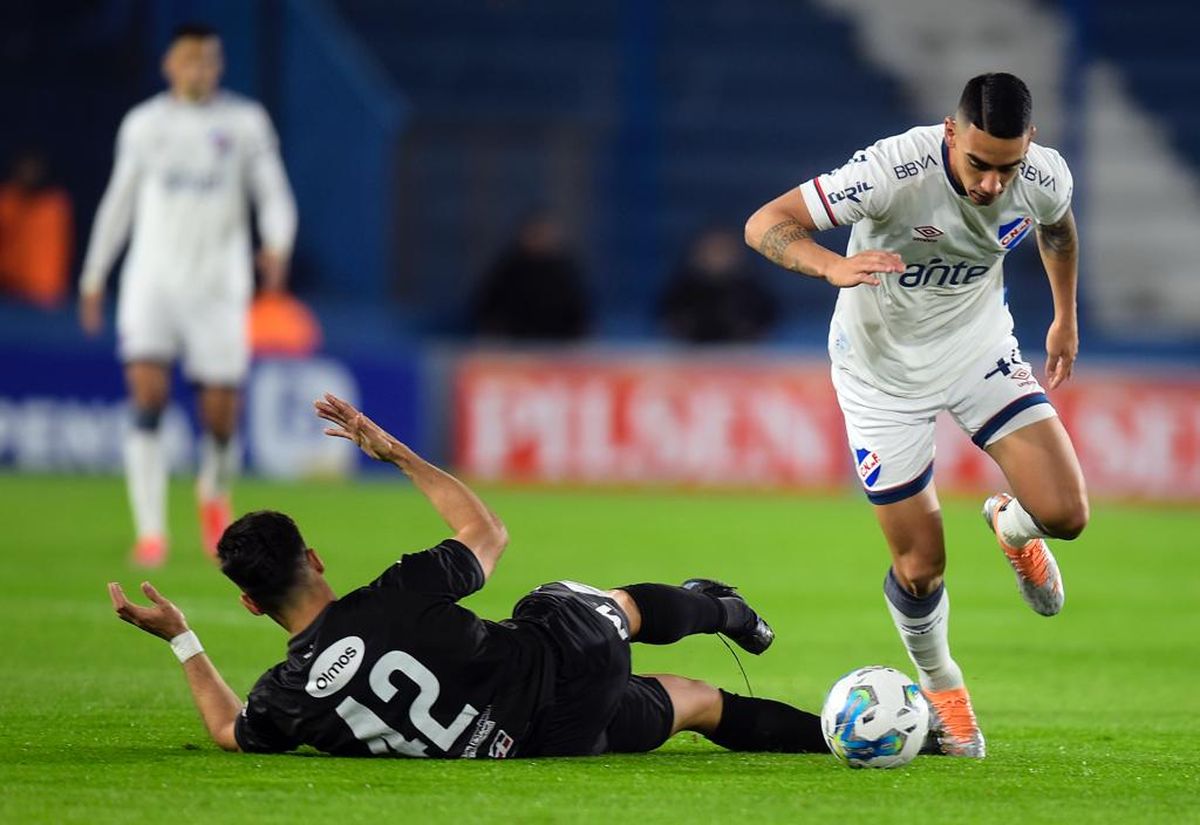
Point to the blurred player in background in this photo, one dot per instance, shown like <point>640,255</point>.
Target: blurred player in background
<point>921,326</point>
<point>186,160</point>
<point>399,668</point>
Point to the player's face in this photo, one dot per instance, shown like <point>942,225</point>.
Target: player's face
<point>193,67</point>
<point>984,165</point>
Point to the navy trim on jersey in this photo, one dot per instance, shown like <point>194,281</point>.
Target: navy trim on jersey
<point>825,201</point>
<point>906,490</point>
<point>1007,414</point>
<point>950,175</point>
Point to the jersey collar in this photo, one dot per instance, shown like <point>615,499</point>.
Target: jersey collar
<point>954,184</point>
<point>305,638</point>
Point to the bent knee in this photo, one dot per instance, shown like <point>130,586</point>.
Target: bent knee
<point>697,705</point>
<point>1067,522</point>
<point>920,576</point>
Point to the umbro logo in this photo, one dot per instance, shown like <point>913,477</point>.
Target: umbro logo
<point>929,234</point>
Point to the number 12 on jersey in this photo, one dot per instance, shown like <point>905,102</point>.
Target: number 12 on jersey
<point>381,737</point>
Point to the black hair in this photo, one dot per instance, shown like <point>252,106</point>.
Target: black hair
<point>186,31</point>
<point>997,103</point>
<point>263,554</point>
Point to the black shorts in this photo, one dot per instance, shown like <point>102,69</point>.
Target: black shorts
<point>597,706</point>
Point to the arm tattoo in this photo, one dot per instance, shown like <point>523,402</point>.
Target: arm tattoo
<point>776,239</point>
<point>1059,239</point>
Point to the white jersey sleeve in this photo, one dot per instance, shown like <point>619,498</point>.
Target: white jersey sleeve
<point>269,185</point>
<point>862,188</point>
<point>1051,198</point>
<point>115,213</point>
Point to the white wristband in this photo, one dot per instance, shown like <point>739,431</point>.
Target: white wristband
<point>186,645</point>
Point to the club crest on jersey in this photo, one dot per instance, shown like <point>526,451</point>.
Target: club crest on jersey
<point>222,142</point>
<point>869,465</point>
<point>1014,232</point>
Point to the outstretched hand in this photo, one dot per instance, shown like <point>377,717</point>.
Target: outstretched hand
<point>163,619</point>
<point>354,426</point>
<point>863,268</point>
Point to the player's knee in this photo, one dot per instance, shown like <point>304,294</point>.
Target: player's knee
<point>920,575</point>
<point>221,436</point>
<point>147,418</point>
<point>1069,520</point>
<point>633,614</point>
<point>697,705</point>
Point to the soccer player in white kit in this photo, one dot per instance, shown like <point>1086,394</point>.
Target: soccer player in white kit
<point>186,159</point>
<point>921,326</point>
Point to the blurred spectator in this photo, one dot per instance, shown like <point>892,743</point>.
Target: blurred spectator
<point>282,325</point>
<point>714,296</point>
<point>36,233</point>
<point>534,291</point>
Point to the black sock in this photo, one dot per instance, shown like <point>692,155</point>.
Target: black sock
<point>749,724</point>
<point>669,613</point>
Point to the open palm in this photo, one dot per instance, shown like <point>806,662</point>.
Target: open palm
<point>350,424</point>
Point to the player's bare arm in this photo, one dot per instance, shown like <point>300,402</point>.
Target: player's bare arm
<point>474,524</point>
<point>781,231</point>
<point>1058,244</point>
<point>218,705</point>
<point>273,266</point>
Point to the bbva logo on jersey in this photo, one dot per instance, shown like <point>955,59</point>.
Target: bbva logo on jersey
<point>869,465</point>
<point>335,667</point>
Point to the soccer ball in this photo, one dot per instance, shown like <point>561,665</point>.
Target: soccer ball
<point>875,717</point>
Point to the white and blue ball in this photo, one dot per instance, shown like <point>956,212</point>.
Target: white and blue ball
<point>875,717</point>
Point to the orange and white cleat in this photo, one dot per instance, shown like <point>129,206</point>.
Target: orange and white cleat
<point>215,515</point>
<point>952,723</point>
<point>149,551</point>
<point>1037,571</point>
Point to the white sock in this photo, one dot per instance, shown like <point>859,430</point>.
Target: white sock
<point>146,481</point>
<point>1017,528</point>
<point>924,628</point>
<point>219,465</point>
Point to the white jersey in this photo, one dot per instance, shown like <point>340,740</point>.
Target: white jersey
<point>914,333</point>
<point>182,176</point>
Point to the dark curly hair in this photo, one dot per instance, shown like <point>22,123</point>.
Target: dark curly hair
<point>263,554</point>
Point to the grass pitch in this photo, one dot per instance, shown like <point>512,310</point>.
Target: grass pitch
<point>1091,716</point>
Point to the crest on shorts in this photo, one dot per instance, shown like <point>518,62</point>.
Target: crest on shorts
<point>869,465</point>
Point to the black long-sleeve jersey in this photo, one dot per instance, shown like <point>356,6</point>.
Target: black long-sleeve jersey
<point>398,668</point>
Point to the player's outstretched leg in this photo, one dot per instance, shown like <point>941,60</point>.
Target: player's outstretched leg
<point>220,456</point>
<point>654,708</point>
<point>1024,544</point>
<point>923,624</point>
<point>746,628</point>
<point>920,607</point>
<point>669,613</point>
<point>146,461</point>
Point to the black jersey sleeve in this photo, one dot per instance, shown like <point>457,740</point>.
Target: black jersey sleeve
<point>255,728</point>
<point>449,571</point>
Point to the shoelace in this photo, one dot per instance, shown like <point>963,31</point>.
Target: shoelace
<point>1031,562</point>
<point>957,717</point>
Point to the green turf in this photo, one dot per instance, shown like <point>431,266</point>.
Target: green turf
<point>1091,716</point>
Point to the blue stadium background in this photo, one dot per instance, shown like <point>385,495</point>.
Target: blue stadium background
<point>416,133</point>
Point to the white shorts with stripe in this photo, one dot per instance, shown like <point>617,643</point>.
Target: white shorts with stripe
<point>891,437</point>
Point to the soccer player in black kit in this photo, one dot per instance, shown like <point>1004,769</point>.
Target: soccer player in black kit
<point>398,668</point>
